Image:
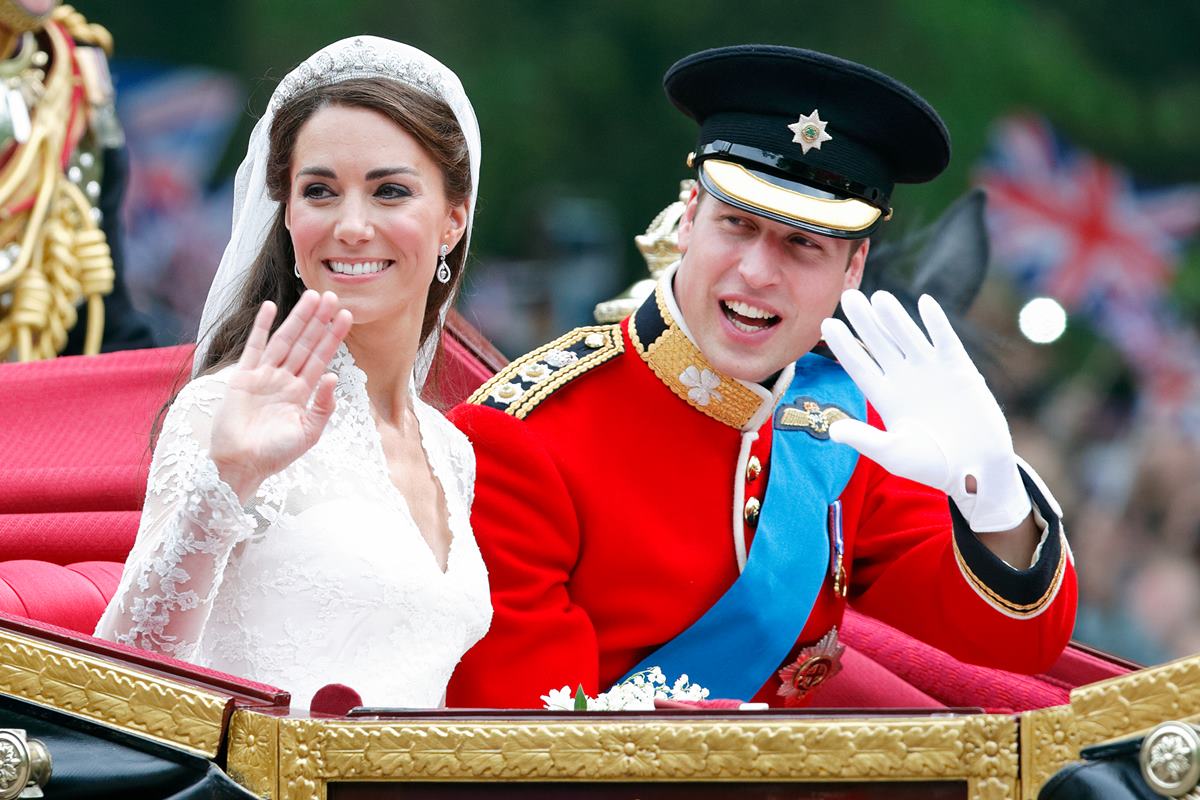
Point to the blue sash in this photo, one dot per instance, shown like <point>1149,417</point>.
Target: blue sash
<point>733,649</point>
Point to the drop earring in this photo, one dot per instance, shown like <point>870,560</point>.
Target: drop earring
<point>443,269</point>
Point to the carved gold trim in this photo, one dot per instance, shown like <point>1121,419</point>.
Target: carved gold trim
<point>1049,741</point>
<point>978,749</point>
<point>254,752</point>
<point>1117,708</point>
<point>1132,704</point>
<point>111,694</point>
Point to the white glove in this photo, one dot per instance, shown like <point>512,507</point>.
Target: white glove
<point>942,422</point>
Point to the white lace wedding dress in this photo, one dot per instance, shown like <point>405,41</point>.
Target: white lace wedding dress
<point>323,578</point>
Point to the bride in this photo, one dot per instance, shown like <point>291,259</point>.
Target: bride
<point>307,515</point>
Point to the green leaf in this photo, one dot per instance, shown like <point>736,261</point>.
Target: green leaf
<point>580,699</point>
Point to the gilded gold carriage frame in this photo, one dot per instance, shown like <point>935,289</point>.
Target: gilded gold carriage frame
<point>289,758</point>
<point>277,755</point>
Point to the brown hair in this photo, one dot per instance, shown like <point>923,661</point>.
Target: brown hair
<point>427,118</point>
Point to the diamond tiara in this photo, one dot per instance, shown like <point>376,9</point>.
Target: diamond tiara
<point>360,60</point>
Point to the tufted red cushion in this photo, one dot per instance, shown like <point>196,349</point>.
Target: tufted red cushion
<point>62,537</point>
<point>75,451</point>
<point>954,683</point>
<point>72,596</point>
<point>865,683</point>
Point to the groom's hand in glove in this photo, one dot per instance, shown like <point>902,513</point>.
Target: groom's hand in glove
<point>944,427</point>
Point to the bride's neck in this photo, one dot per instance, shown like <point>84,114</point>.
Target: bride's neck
<point>386,356</point>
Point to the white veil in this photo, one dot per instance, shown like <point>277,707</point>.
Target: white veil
<point>254,211</point>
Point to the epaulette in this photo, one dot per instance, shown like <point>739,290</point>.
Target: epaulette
<point>522,385</point>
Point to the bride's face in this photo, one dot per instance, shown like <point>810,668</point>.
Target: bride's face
<point>367,213</point>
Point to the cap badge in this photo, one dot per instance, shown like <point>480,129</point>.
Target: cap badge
<point>809,131</point>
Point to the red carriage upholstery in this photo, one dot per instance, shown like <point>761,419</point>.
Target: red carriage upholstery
<point>74,457</point>
<point>74,454</point>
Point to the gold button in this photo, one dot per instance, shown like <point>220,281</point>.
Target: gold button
<point>594,340</point>
<point>751,512</point>
<point>691,160</point>
<point>753,468</point>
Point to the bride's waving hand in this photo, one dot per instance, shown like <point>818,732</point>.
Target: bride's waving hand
<point>266,420</point>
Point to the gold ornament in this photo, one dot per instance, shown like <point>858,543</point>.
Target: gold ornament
<point>53,255</point>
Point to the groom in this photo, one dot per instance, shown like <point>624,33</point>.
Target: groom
<point>706,486</point>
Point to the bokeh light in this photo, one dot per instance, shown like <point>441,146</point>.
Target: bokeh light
<point>1042,320</point>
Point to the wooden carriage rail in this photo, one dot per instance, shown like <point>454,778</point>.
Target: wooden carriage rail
<point>999,756</point>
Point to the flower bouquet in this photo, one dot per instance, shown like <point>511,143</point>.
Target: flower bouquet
<point>638,692</point>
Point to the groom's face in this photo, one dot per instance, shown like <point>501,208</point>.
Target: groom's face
<point>754,291</point>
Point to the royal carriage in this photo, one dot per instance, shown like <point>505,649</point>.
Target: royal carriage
<point>81,717</point>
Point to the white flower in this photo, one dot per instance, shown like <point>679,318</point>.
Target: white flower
<point>560,699</point>
<point>625,696</point>
<point>636,693</point>
<point>702,385</point>
<point>560,358</point>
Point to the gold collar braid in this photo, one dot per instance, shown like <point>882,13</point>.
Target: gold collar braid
<point>682,368</point>
<point>57,254</point>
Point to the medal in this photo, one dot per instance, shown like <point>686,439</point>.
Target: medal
<point>837,566</point>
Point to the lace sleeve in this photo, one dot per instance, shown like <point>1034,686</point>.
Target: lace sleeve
<point>190,523</point>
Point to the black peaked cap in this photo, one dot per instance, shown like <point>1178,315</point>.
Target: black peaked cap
<point>745,96</point>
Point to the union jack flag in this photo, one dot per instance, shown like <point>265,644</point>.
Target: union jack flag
<point>1068,225</point>
<point>1073,227</point>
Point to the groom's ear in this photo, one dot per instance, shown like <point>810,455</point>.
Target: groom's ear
<point>854,267</point>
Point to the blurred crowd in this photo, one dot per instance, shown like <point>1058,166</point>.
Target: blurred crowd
<point>1126,475</point>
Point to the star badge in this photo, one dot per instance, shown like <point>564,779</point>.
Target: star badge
<point>812,667</point>
<point>810,131</point>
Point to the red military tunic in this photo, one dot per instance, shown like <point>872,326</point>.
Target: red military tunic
<point>608,499</point>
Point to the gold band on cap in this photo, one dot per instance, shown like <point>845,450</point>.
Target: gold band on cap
<point>741,185</point>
